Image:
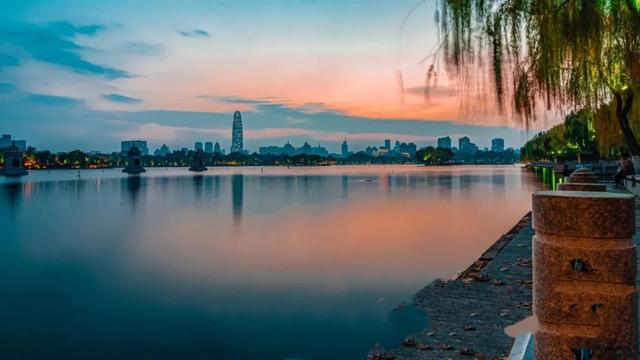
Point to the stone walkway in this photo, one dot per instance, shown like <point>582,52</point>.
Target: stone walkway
<point>467,316</point>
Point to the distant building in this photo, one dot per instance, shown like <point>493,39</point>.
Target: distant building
<point>162,151</point>
<point>444,142</point>
<point>21,145</point>
<point>387,144</point>
<point>370,150</point>
<point>380,152</point>
<point>465,146</point>
<point>198,146</point>
<point>6,141</point>
<point>126,145</point>
<point>216,148</point>
<point>497,145</point>
<point>345,149</point>
<point>208,147</point>
<point>184,150</point>
<point>463,142</point>
<point>236,134</point>
<point>289,150</point>
<point>407,150</point>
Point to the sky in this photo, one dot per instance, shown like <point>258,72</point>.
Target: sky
<point>88,74</point>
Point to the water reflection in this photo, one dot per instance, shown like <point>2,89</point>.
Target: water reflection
<point>295,263</point>
<point>11,196</point>
<point>498,180</point>
<point>237,194</point>
<point>133,185</point>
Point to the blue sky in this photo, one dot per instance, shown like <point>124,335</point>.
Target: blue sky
<point>87,74</point>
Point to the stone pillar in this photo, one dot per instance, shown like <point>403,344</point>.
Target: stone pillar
<point>198,162</point>
<point>582,180</point>
<point>13,163</point>
<point>584,275</point>
<point>134,162</point>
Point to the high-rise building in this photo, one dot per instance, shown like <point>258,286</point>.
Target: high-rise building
<point>497,145</point>
<point>345,149</point>
<point>236,134</point>
<point>216,148</point>
<point>444,142</point>
<point>198,146</point>
<point>466,146</point>
<point>387,144</point>
<point>463,142</point>
<point>7,141</point>
<point>208,147</point>
<point>128,144</point>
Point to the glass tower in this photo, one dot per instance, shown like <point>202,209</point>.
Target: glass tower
<point>236,133</point>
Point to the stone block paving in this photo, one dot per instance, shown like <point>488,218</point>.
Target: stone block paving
<point>467,316</point>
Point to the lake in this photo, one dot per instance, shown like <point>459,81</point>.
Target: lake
<point>238,263</point>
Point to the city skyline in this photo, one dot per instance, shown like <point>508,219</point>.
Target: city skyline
<point>237,135</point>
<point>207,146</point>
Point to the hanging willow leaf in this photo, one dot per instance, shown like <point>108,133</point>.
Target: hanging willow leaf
<point>571,54</point>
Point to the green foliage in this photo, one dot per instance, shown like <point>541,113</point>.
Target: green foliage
<point>434,156</point>
<point>577,134</point>
<point>567,54</point>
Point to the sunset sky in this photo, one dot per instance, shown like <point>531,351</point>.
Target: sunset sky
<point>87,74</point>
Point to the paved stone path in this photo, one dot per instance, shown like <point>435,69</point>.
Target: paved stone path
<point>467,316</point>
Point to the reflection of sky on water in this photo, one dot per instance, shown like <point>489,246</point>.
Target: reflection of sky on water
<point>235,263</point>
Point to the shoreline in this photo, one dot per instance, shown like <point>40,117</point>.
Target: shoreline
<point>466,316</point>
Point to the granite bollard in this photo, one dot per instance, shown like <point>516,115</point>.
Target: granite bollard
<point>584,275</point>
<point>582,180</point>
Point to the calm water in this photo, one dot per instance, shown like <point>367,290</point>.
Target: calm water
<point>241,263</point>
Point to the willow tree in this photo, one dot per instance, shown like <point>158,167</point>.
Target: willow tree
<point>556,54</point>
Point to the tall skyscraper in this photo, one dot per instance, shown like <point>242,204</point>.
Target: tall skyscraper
<point>387,144</point>
<point>216,148</point>
<point>497,145</point>
<point>208,147</point>
<point>444,142</point>
<point>345,149</point>
<point>198,146</point>
<point>236,133</point>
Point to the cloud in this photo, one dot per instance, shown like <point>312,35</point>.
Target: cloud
<point>54,43</point>
<point>195,33</point>
<point>8,60</point>
<point>6,87</point>
<point>66,29</point>
<point>53,100</point>
<point>143,48</point>
<point>234,100</point>
<point>121,99</point>
<point>265,103</point>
